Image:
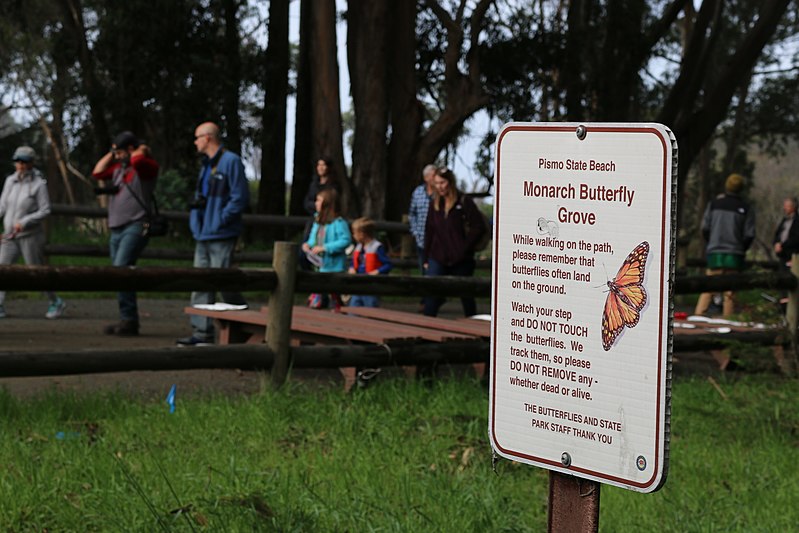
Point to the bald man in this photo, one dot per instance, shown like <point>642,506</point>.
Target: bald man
<point>220,198</point>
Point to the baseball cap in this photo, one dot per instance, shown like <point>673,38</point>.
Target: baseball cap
<point>125,139</point>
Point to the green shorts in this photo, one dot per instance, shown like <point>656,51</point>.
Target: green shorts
<point>729,261</point>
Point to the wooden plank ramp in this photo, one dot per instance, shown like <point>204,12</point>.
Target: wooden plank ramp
<point>475,328</point>
<point>325,326</point>
<point>357,328</point>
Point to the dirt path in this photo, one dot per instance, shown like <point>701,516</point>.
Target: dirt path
<point>162,322</point>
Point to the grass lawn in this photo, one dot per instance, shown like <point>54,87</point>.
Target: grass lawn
<point>398,456</point>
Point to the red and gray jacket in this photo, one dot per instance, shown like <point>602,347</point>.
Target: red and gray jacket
<point>370,257</point>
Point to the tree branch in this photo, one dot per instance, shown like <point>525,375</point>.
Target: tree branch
<point>693,59</point>
<point>659,28</point>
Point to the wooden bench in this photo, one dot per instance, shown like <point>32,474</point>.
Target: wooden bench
<point>235,327</point>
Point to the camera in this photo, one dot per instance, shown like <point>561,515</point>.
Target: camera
<point>199,202</point>
<point>111,189</point>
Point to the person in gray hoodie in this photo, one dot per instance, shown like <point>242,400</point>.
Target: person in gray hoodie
<point>24,204</point>
<point>728,227</point>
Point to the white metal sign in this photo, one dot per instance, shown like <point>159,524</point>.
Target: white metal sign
<point>581,298</point>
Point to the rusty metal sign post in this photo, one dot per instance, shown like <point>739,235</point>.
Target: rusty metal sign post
<point>573,504</point>
<point>583,269</point>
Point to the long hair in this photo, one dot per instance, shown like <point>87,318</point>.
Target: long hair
<point>329,210</point>
<point>452,195</point>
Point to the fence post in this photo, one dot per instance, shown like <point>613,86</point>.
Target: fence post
<point>792,317</point>
<point>407,242</point>
<point>281,300</point>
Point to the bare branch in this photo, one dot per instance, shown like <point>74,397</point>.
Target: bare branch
<point>443,16</point>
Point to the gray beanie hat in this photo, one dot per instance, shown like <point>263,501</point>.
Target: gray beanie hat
<point>24,153</point>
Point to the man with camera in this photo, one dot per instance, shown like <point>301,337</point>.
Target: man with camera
<point>130,174</point>
<point>220,198</point>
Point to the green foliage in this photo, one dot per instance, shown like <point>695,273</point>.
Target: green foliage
<point>174,191</point>
<point>397,456</point>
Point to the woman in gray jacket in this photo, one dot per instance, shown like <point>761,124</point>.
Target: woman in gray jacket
<point>24,203</point>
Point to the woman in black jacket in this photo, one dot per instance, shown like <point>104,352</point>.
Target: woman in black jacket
<point>454,227</point>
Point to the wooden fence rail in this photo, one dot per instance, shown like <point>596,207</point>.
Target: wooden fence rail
<point>168,279</point>
<point>157,279</point>
<point>260,357</point>
<point>241,356</point>
<point>248,219</point>
<point>171,279</point>
<point>175,254</point>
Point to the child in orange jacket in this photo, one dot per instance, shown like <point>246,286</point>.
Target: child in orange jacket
<point>369,257</point>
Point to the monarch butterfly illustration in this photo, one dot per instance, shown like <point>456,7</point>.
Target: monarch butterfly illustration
<point>627,296</point>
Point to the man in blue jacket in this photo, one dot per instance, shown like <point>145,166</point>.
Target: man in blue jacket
<point>219,201</point>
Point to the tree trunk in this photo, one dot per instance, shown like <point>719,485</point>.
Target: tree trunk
<point>325,101</point>
<point>367,49</point>
<point>464,93</point>
<point>232,77</point>
<point>272,189</point>
<point>618,76</point>
<point>410,150</point>
<point>303,124</point>
<point>573,75</point>
<point>406,112</point>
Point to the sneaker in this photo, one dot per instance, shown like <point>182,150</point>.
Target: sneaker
<point>2,311</point>
<point>193,341</point>
<point>125,328</point>
<point>315,301</point>
<point>56,308</point>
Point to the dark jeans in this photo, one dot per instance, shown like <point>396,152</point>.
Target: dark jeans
<point>126,246</point>
<point>464,268</point>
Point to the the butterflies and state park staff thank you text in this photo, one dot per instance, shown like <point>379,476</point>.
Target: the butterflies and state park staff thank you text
<point>581,299</point>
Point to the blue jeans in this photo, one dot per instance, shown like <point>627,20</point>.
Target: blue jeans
<point>364,300</point>
<point>126,246</point>
<point>464,268</point>
<point>212,254</point>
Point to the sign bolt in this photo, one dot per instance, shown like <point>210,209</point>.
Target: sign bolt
<point>566,459</point>
<point>581,132</point>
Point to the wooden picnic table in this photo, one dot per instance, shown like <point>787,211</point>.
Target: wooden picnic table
<point>328,327</point>
<point>320,326</point>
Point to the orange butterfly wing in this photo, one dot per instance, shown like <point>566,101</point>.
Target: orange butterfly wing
<point>627,296</point>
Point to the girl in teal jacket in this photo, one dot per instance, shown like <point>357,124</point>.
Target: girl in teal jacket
<point>330,234</point>
<point>329,238</point>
